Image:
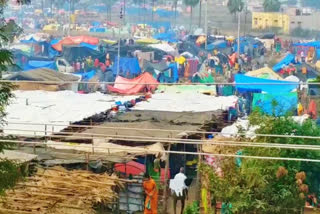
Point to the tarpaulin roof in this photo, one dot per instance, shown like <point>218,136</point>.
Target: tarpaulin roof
<point>137,85</point>
<point>72,53</point>
<point>159,24</point>
<point>264,73</point>
<point>127,65</point>
<point>40,64</point>
<point>315,44</point>
<point>285,103</point>
<point>42,74</point>
<point>246,84</point>
<point>219,44</point>
<point>169,37</point>
<point>75,40</point>
<point>164,47</point>
<point>86,76</point>
<point>289,58</point>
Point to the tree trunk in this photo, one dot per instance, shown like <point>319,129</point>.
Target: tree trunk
<point>200,13</point>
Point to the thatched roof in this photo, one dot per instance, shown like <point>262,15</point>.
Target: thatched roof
<point>57,190</point>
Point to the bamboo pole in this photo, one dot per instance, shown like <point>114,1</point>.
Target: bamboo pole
<point>165,193</point>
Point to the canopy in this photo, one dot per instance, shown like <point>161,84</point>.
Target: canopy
<point>246,84</point>
<point>315,44</point>
<point>144,82</point>
<point>264,73</point>
<point>40,64</point>
<point>289,58</point>
<point>42,74</point>
<point>275,104</point>
<point>128,66</point>
<point>147,41</point>
<point>75,40</point>
<point>71,53</point>
<point>169,37</point>
<point>164,47</point>
<point>219,44</point>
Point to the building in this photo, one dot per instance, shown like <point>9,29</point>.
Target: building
<point>264,20</point>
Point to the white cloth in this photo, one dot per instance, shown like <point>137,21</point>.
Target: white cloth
<point>178,184</point>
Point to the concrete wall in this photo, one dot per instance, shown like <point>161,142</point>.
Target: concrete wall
<point>261,20</point>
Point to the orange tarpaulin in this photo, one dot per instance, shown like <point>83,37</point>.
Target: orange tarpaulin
<point>75,40</point>
<point>143,83</point>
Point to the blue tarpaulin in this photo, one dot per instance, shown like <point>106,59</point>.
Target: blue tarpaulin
<point>169,37</point>
<point>29,41</point>
<point>53,52</point>
<point>128,67</point>
<point>219,44</point>
<point>159,24</point>
<point>246,84</point>
<point>315,44</point>
<point>284,62</point>
<point>40,64</point>
<point>276,104</point>
<point>165,13</point>
<point>98,30</point>
<point>93,47</point>
<point>86,76</point>
<point>96,24</point>
<point>318,53</point>
<point>138,11</point>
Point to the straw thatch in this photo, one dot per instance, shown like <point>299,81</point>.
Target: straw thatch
<point>57,190</point>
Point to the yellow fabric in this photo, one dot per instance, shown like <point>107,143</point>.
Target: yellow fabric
<point>236,66</point>
<point>201,40</point>
<point>147,41</point>
<point>204,200</point>
<point>111,42</point>
<point>180,60</point>
<point>318,65</point>
<point>300,109</point>
<point>51,27</point>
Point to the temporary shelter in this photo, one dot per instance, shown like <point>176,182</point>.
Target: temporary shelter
<point>264,73</point>
<point>44,74</point>
<point>219,44</point>
<point>75,40</point>
<point>128,67</point>
<point>144,82</point>
<point>285,103</point>
<point>73,53</point>
<point>247,84</point>
<point>164,47</point>
<point>289,58</point>
<point>34,64</point>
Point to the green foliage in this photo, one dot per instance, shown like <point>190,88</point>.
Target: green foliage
<point>235,6</point>
<point>271,5</point>
<point>192,208</point>
<point>269,186</point>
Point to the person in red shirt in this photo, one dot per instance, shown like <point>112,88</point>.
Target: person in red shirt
<point>96,63</point>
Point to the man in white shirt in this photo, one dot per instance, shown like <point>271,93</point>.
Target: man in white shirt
<point>179,189</point>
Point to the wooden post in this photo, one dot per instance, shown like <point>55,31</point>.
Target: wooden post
<point>165,192</point>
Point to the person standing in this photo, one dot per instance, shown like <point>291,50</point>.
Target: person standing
<point>150,188</point>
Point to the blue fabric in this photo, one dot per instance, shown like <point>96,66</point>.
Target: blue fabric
<point>98,29</point>
<point>96,24</point>
<point>30,41</point>
<point>269,86</point>
<point>315,44</point>
<point>93,47</point>
<point>165,13</point>
<point>276,104</point>
<point>86,76</point>
<point>159,24</point>
<point>284,62</point>
<point>138,11</point>
<point>174,70</point>
<point>169,37</point>
<point>98,8</point>
<point>318,53</point>
<point>220,44</point>
<point>52,52</point>
<point>40,64</point>
<point>127,65</point>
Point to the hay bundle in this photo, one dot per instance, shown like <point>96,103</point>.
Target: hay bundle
<point>60,191</point>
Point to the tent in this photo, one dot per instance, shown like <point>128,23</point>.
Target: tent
<point>128,67</point>
<point>164,47</point>
<point>144,82</point>
<point>33,64</point>
<point>72,53</point>
<point>168,37</point>
<point>246,84</point>
<point>75,40</point>
<point>275,104</point>
<point>42,74</point>
<point>219,44</point>
<point>147,41</point>
<point>264,73</point>
<point>288,59</point>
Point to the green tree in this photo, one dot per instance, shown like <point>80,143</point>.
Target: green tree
<point>271,5</point>
<point>235,6</point>
<point>9,171</point>
<point>191,4</point>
